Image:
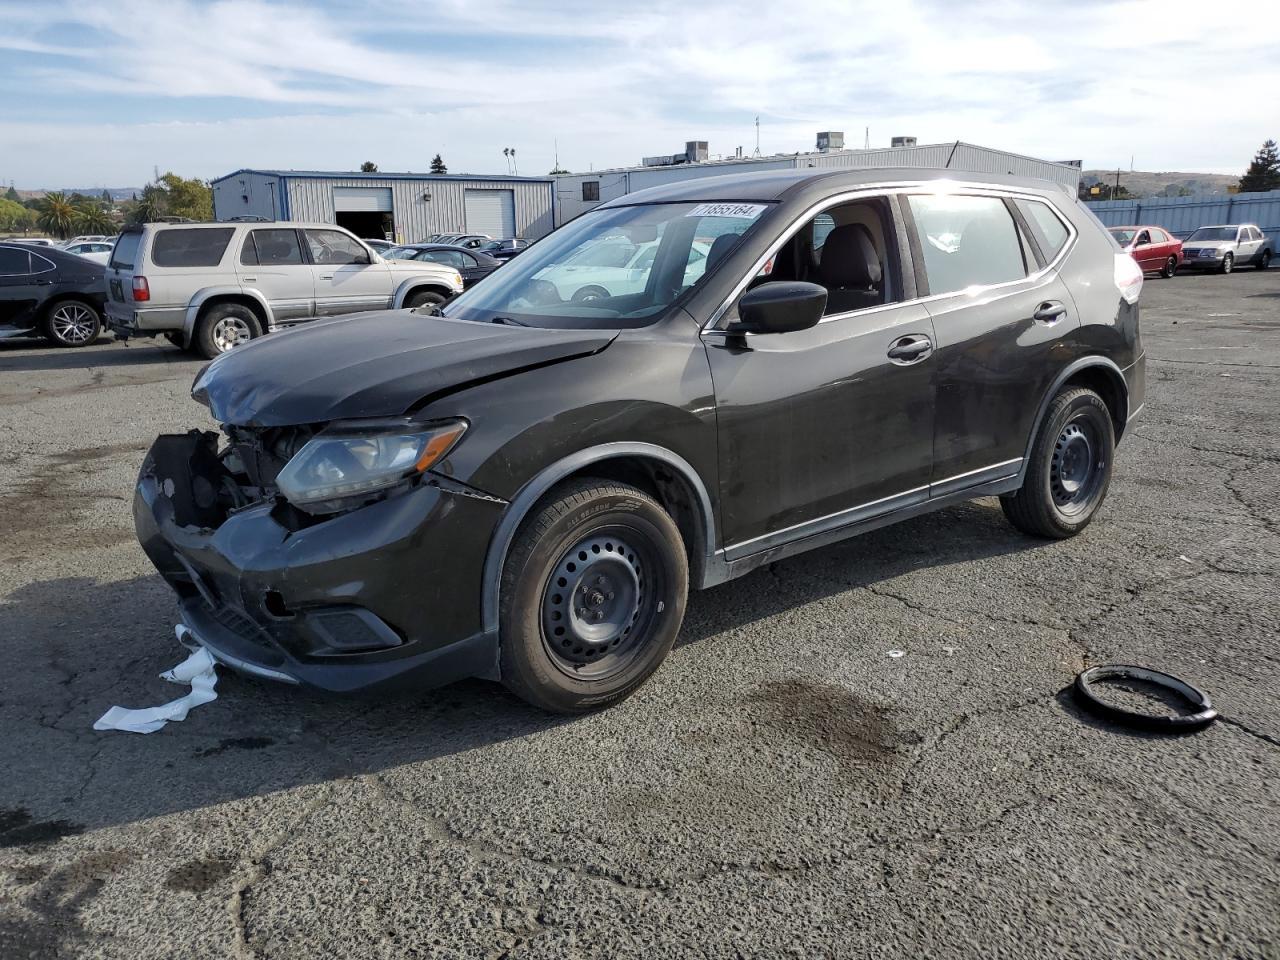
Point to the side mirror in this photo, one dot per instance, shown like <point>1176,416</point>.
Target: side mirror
<point>782,306</point>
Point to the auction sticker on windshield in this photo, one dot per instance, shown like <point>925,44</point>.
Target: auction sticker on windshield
<point>747,211</point>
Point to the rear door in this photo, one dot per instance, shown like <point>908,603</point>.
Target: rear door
<point>271,261</point>
<point>1250,244</point>
<point>999,311</point>
<point>345,279</point>
<point>20,286</point>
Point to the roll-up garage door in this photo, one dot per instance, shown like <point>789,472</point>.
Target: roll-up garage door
<point>362,199</point>
<point>491,212</point>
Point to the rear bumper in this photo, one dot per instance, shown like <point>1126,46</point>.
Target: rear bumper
<point>129,321</point>
<point>386,596</point>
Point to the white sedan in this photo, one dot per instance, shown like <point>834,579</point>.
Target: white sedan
<point>95,250</point>
<point>614,268</point>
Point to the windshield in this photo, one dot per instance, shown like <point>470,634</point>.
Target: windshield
<point>1123,237</point>
<point>610,268</point>
<point>1214,233</point>
<point>400,253</point>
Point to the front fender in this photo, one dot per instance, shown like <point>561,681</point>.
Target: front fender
<point>406,286</point>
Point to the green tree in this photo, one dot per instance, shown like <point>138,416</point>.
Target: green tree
<point>56,214</point>
<point>152,205</point>
<point>437,165</point>
<point>1264,172</point>
<point>12,195</point>
<point>92,217</point>
<point>106,199</point>
<point>14,217</point>
<point>188,198</point>
<point>368,167</point>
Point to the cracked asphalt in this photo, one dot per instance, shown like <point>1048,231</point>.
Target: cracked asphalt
<point>782,787</point>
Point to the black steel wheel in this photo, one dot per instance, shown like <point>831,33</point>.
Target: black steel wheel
<point>592,596</point>
<point>1069,474</point>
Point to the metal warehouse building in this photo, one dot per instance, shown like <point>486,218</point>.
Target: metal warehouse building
<point>579,192</point>
<point>406,207</point>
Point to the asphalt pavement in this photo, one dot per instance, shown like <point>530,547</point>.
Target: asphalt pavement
<point>783,786</point>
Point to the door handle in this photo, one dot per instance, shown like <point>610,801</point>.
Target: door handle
<point>1050,312</point>
<point>326,276</point>
<point>910,349</point>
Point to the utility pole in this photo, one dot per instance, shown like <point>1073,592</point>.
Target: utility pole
<point>1115,194</point>
<point>866,139</point>
<point>757,153</point>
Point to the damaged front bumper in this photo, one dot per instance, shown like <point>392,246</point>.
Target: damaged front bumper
<point>386,595</point>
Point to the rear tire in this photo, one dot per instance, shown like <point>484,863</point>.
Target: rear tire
<point>1265,260</point>
<point>593,595</point>
<point>1170,268</point>
<point>1228,262</point>
<point>223,328</point>
<point>590,293</point>
<point>1070,469</point>
<point>73,323</point>
<point>423,298</point>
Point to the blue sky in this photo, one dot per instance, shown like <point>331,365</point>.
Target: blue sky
<point>99,94</point>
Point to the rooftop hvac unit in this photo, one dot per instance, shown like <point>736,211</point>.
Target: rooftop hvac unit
<point>902,142</point>
<point>695,151</point>
<point>830,140</point>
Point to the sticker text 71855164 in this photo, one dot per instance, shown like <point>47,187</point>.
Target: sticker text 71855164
<point>747,211</point>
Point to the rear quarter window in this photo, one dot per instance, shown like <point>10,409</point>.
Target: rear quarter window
<point>190,248</point>
<point>1049,230</point>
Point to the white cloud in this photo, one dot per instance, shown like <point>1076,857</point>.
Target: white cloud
<point>397,82</point>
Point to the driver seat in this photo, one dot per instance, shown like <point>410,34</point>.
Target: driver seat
<point>850,269</point>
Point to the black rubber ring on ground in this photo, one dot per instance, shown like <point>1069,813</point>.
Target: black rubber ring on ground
<point>1205,713</point>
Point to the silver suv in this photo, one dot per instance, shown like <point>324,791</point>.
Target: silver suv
<point>210,286</point>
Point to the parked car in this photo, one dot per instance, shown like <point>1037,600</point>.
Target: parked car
<point>96,250</point>
<point>379,246</point>
<point>614,267</point>
<point>469,241</point>
<point>49,293</point>
<point>525,488</point>
<point>1155,249</point>
<point>472,264</point>
<point>212,286</point>
<point>86,238</point>
<point>504,249</point>
<point>35,241</point>
<point>1225,247</point>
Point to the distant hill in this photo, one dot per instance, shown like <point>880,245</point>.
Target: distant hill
<point>117,193</point>
<point>1142,183</point>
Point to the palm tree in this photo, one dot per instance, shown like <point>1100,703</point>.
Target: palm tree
<point>153,204</point>
<point>93,217</point>
<point>56,215</point>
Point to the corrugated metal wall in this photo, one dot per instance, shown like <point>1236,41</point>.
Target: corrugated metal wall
<point>1182,215</point>
<point>247,195</point>
<point>964,157</point>
<point>311,198</point>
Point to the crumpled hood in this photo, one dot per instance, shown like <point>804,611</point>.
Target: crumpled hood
<point>372,365</point>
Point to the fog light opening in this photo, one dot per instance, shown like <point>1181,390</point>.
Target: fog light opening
<point>273,603</point>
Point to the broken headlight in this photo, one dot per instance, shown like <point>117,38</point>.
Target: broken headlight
<point>359,458</point>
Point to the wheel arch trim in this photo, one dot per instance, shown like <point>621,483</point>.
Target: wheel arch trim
<point>528,495</point>
<point>202,297</point>
<point>410,284</point>
<point>1090,362</point>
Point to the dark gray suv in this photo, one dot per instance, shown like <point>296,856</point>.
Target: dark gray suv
<point>524,484</point>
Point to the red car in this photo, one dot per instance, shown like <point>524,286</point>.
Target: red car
<point>1155,249</point>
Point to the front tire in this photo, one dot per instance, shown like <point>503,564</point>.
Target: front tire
<point>1170,268</point>
<point>1070,469</point>
<point>423,298</point>
<point>223,328</point>
<point>593,595</point>
<point>1265,260</point>
<point>1228,263</point>
<point>73,323</point>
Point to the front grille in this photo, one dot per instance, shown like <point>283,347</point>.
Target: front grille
<point>239,624</point>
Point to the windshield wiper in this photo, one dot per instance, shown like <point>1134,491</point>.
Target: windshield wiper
<point>508,322</point>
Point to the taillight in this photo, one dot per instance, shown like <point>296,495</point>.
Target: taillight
<point>141,289</point>
<point>1128,277</point>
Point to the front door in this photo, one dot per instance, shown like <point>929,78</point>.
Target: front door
<point>19,286</point>
<point>345,279</point>
<point>824,427</point>
<point>998,316</point>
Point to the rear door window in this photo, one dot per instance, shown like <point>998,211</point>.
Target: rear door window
<point>271,248</point>
<point>125,250</point>
<point>967,241</point>
<point>14,263</point>
<point>190,248</point>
